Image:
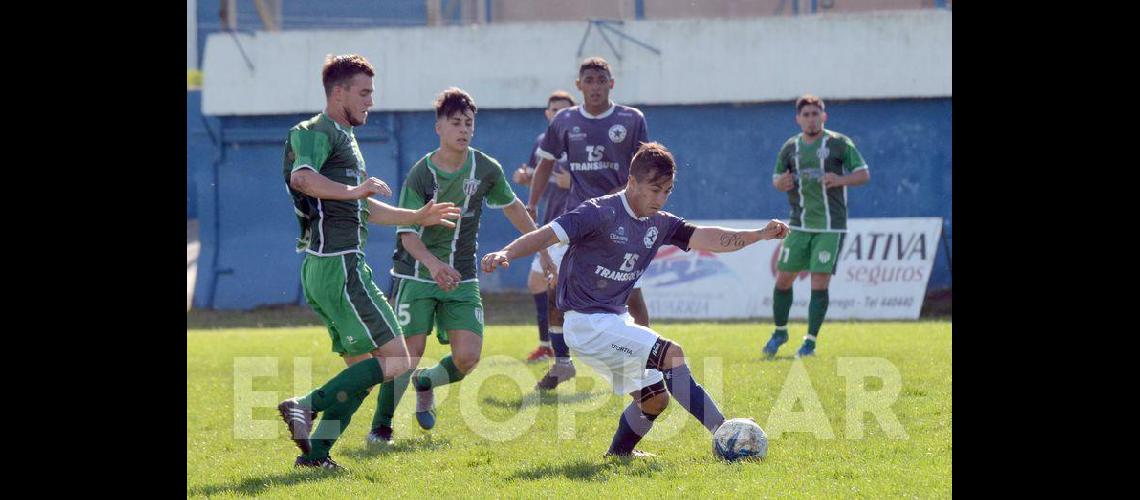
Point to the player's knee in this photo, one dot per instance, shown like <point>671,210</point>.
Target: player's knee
<point>394,366</point>
<point>655,404</point>
<point>465,361</point>
<point>554,316</point>
<point>674,356</point>
<point>820,281</point>
<point>652,399</point>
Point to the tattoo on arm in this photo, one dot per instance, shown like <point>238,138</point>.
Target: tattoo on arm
<point>732,240</point>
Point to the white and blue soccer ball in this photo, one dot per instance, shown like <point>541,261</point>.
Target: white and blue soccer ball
<point>740,438</point>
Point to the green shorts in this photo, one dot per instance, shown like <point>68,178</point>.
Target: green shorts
<point>806,251</point>
<point>340,290</point>
<point>421,305</point>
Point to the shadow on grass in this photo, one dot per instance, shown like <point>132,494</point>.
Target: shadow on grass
<point>258,485</point>
<point>544,398</point>
<point>425,443</point>
<point>592,470</point>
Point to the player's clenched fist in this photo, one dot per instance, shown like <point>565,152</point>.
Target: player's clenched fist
<point>775,230</point>
<point>785,182</point>
<point>494,260</point>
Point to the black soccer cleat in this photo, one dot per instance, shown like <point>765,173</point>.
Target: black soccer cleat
<point>558,373</point>
<point>299,420</point>
<point>381,435</point>
<point>319,463</point>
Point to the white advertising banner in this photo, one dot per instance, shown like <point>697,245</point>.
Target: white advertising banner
<point>884,265</point>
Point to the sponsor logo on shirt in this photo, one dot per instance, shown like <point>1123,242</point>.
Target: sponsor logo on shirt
<point>619,236</point>
<point>610,274</point>
<point>650,237</point>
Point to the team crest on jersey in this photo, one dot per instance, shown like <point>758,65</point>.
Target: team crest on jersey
<point>822,153</point>
<point>650,237</point>
<point>470,186</point>
<point>824,256</point>
<point>617,133</point>
<point>619,236</point>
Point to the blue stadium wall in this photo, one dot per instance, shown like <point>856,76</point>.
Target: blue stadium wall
<point>726,154</point>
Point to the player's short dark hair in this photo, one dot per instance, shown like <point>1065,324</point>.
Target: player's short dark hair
<point>651,161</point>
<point>560,95</point>
<point>594,63</point>
<point>338,70</point>
<point>808,100</point>
<point>453,100</point>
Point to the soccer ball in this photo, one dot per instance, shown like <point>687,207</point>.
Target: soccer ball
<point>740,438</point>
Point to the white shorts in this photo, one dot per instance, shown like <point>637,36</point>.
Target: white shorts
<point>614,346</point>
<point>556,252</point>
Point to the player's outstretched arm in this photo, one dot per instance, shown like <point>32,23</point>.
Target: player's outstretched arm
<point>721,239</point>
<point>521,219</point>
<point>430,214</point>
<point>523,246</point>
<point>316,185</point>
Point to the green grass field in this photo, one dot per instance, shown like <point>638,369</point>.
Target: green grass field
<point>495,438</point>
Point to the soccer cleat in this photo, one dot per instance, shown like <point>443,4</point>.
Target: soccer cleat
<point>779,337</point>
<point>380,436</point>
<point>632,454</point>
<point>299,420</point>
<point>808,349</point>
<point>540,353</point>
<point>318,463</point>
<point>557,374</point>
<point>425,409</point>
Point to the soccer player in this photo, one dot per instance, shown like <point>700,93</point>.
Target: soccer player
<point>325,175</point>
<point>599,139</point>
<point>612,240</point>
<point>436,267</point>
<point>814,167</point>
<point>553,204</point>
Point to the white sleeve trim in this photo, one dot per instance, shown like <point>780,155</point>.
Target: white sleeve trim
<point>864,167</point>
<point>492,205</point>
<point>544,155</point>
<point>299,167</point>
<point>558,231</point>
<point>406,230</point>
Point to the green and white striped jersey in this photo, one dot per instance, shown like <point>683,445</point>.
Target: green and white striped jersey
<point>815,209</point>
<point>480,178</point>
<point>328,227</point>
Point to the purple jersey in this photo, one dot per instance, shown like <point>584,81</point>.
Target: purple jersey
<point>553,200</point>
<point>599,148</point>
<point>609,249</point>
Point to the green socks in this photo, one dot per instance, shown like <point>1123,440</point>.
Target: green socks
<point>442,374</point>
<point>781,306</point>
<point>352,380</point>
<point>817,308</point>
<point>390,394</point>
<point>334,421</point>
